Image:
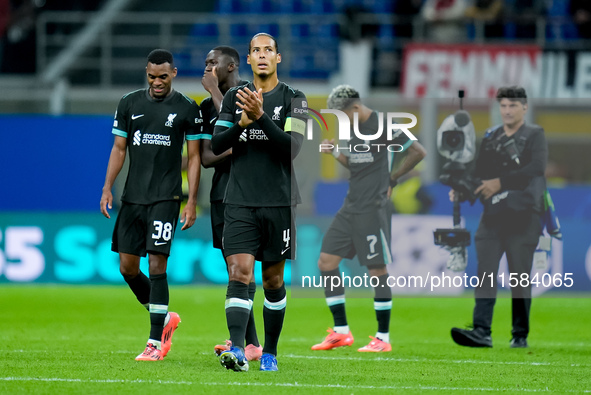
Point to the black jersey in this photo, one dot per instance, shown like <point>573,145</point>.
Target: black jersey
<point>155,131</point>
<point>370,171</point>
<point>222,170</point>
<point>493,161</point>
<point>259,175</point>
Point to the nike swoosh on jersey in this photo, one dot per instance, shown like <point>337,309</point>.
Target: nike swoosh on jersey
<point>372,256</point>
<point>159,243</point>
<point>137,116</point>
<point>239,110</point>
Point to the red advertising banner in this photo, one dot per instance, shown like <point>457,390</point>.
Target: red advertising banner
<point>440,70</point>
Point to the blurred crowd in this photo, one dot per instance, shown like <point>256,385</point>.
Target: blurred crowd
<point>18,29</point>
<point>445,20</point>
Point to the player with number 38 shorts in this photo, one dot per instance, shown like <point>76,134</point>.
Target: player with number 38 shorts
<point>146,228</point>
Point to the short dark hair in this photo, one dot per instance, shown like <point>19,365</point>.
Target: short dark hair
<point>160,56</point>
<point>230,52</point>
<point>264,34</point>
<point>513,93</point>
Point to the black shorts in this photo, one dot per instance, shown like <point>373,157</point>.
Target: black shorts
<point>268,233</point>
<point>217,223</point>
<point>140,229</point>
<point>366,235</point>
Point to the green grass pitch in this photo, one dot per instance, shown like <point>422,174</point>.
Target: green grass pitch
<point>83,340</point>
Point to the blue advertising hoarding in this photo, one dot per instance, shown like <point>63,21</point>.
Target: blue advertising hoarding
<point>76,248</point>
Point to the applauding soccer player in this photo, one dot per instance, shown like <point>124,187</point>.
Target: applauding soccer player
<point>258,123</point>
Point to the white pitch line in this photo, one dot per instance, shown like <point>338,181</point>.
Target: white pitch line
<point>67,352</point>
<point>343,358</point>
<point>294,385</point>
<point>105,381</point>
<point>461,361</point>
<point>564,344</point>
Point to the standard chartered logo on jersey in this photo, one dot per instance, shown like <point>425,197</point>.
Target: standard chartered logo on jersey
<point>151,139</point>
<point>137,137</point>
<point>361,157</point>
<point>252,134</point>
<point>257,134</point>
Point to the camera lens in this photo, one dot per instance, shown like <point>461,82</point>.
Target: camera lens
<point>453,140</point>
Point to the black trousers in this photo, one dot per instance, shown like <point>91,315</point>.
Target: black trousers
<point>516,235</point>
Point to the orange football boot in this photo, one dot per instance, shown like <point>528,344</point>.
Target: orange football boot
<point>334,340</point>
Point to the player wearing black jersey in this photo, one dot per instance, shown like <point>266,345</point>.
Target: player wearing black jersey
<point>362,225</point>
<point>221,73</point>
<point>259,122</point>
<point>153,124</point>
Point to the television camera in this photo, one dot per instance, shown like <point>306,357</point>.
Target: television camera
<point>456,141</point>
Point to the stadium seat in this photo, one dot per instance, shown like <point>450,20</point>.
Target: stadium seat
<point>470,31</point>
<point>272,7</point>
<point>511,31</point>
<point>316,7</point>
<point>271,28</point>
<point>560,26</point>
<point>244,30</point>
<point>314,63</point>
<point>282,7</point>
<point>300,6</point>
<point>322,7</point>
<point>386,36</point>
<point>204,30</point>
<point>238,30</point>
<point>300,32</point>
<point>326,33</point>
<point>184,62</point>
<point>379,6</point>
<point>227,6</point>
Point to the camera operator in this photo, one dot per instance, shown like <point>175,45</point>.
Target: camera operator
<point>511,164</point>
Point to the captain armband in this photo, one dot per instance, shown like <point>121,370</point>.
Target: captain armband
<point>295,125</point>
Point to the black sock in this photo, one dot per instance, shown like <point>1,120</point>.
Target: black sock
<point>140,286</point>
<point>237,312</point>
<point>158,305</point>
<point>273,316</point>
<point>251,330</point>
<point>383,304</point>
<point>335,297</point>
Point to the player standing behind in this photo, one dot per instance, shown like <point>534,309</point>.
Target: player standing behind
<point>362,225</point>
<point>222,73</point>
<point>258,121</point>
<point>153,124</point>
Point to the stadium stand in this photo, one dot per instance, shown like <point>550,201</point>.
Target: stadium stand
<point>313,29</point>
